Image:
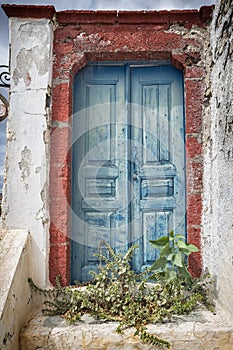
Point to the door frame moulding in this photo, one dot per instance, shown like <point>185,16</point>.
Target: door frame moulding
<point>73,52</point>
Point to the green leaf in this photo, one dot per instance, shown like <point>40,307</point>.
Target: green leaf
<point>178,260</point>
<point>159,264</point>
<point>192,248</point>
<point>158,243</point>
<point>186,248</point>
<point>185,251</point>
<point>183,271</point>
<point>170,275</point>
<point>153,277</point>
<point>180,237</point>
<point>181,244</point>
<point>166,250</point>
<point>171,234</point>
<point>170,256</point>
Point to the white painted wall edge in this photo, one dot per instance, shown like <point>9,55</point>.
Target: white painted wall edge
<point>15,293</point>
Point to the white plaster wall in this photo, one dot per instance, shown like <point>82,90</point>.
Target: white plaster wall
<point>218,158</point>
<point>15,295</point>
<point>25,192</point>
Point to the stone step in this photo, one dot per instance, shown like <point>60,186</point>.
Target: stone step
<point>200,330</point>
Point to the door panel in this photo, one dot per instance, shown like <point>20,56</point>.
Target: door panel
<point>157,134</point>
<point>100,190</point>
<point>128,161</point>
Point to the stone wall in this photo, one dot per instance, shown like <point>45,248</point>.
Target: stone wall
<point>218,156</point>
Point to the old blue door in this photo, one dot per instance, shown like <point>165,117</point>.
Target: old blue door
<point>128,168</point>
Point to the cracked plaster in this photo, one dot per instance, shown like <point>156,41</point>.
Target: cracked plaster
<point>28,136</point>
<point>25,163</point>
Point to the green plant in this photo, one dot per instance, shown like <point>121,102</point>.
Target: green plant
<point>171,262</point>
<point>117,293</point>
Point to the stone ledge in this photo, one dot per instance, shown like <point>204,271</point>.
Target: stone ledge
<point>15,293</point>
<point>198,331</point>
<point>11,247</point>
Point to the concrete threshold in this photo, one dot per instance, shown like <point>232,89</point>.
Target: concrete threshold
<point>201,330</point>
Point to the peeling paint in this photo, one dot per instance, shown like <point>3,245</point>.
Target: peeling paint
<point>31,34</point>
<point>44,195</point>
<point>33,54</point>
<point>42,213</point>
<point>24,164</point>
<point>26,60</point>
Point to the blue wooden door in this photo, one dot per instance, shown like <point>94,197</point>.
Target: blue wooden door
<point>128,168</point>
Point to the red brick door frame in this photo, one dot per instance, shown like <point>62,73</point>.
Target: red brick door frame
<point>84,36</point>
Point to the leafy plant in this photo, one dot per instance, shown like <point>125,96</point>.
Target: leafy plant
<point>117,293</point>
<point>171,263</point>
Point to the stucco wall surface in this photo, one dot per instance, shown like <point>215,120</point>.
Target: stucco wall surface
<point>15,294</point>
<point>25,202</point>
<point>218,157</point>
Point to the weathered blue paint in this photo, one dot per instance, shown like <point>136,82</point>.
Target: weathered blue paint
<point>128,161</point>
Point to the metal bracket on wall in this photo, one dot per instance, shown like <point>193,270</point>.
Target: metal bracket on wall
<point>4,82</point>
<point>4,105</point>
<point>4,76</point>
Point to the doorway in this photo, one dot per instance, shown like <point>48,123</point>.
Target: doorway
<point>128,161</point>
